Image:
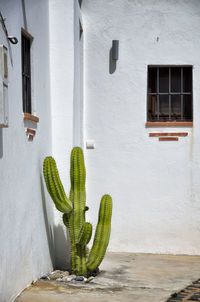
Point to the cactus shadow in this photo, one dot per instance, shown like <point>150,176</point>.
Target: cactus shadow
<point>48,225</point>
<point>57,236</point>
<point>62,248</point>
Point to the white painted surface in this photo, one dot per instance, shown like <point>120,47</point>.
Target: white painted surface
<point>26,232</point>
<point>61,17</point>
<point>78,107</point>
<point>155,185</point>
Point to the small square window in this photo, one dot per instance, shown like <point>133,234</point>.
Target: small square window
<point>26,41</point>
<point>169,94</point>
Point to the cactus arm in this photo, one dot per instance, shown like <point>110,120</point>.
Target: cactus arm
<point>55,187</point>
<point>102,234</point>
<point>85,234</point>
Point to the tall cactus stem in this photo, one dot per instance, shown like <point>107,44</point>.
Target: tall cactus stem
<point>77,196</point>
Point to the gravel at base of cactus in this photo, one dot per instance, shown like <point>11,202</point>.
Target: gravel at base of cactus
<point>74,208</point>
<point>65,277</point>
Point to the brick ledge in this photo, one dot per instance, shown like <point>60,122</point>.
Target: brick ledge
<point>169,124</point>
<point>31,117</point>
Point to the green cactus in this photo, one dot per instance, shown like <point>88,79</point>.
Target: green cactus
<point>102,234</point>
<point>74,209</point>
<point>55,187</point>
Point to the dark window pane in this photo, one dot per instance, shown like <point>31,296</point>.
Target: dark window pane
<point>187,107</point>
<point>152,108</point>
<point>187,79</point>
<point>175,107</point>
<point>26,72</point>
<point>175,79</point>
<point>163,79</point>
<point>24,92</point>
<point>152,80</point>
<point>164,107</point>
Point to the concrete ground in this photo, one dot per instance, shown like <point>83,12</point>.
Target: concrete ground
<point>124,277</point>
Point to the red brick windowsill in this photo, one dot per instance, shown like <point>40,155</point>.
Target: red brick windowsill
<point>30,117</point>
<point>169,124</point>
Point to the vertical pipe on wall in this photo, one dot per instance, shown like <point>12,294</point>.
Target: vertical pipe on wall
<point>78,78</point>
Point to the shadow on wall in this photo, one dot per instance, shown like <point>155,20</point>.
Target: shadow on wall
<point>62,248</point>
<point>112,63</point>
<point>58,238</point>
<point>1,143</point>
<point>48,226</point>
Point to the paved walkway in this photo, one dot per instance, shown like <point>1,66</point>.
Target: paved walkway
<point>124,277</point>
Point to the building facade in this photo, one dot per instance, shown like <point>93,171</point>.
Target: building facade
<point>137,119</point>
<point>155,184</point>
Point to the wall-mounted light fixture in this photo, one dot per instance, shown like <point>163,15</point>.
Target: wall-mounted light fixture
<point>115,49</point>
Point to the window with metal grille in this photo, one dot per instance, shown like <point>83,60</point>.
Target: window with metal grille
<point>26,40</point>
<point>170,93</point>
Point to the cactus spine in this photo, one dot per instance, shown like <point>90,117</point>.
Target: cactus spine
<point>74,210</point>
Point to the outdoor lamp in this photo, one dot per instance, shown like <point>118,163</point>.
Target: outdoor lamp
<point>115,49</point>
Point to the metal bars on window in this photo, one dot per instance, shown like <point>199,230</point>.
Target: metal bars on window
<point>170,93</point>
<point>26,72</point>
<point>157,95</point>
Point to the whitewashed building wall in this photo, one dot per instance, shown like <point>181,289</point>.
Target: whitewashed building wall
<point>155,185</point>
<point>33,238</point>
<point>26,215</point>
<point>65,85</point>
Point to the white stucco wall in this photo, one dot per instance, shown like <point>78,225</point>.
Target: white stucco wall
<point>155,185</point>
<point>63,16</point>
<point>78,104</point>
<point>26,232</point>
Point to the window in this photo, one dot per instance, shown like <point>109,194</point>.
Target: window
<point>170,94</point>
<point>26,40</point>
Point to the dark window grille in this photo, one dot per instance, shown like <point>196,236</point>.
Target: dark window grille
<point>26,72</point>
<point>170,94</point>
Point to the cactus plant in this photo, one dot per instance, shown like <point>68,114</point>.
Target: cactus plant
<point>74,208</point>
